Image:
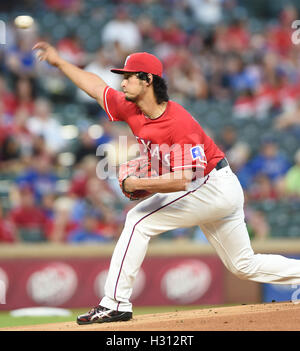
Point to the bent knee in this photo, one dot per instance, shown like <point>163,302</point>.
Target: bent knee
<point>135,222</point>
<point>133,217</point>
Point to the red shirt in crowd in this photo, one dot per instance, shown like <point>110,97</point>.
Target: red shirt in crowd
<point>29,218</point>
<point>6,231</point>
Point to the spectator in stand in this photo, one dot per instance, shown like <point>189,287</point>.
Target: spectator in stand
<point>289,93</point>
<point>238,36</point>
<point>170,33</point>
<point>267,94</point>
<point>244,105</point>
<point>85,146</point>
<point>271,90</point>
<point>39,176</point>
<point>24,95</point>
<point>61,224</point>
<point>5,124</point>
<point>43,124</point>
<point>238,76</point>
<point>19,57</point>
<point>66,7</point>
<point>7,98</point>
<point>289,121</point>
<point>238,155</point>
<point>16,142</point>
<point>9,154</point>
<point>23,136</point>
<point>98,199</point>
<point>122,30</point>
<point>38,146</point>
<point>233,38</point>
<point>227,138</point>
<point>108,132</point>
<point>185,75</point>
<point>47,205</point>
<point>207,12</point>
<point>257,224</point>
<point>237,152</point>
<point>29,221</point>
<point>262,189</point>
<point>88,231</point>
<point>292,179</point>
<point>269,162</point>
<point>147,30</point>
<point>7,232</point>
<point>188,81</point>
<point>175,57</point>
<point>84,171</point>
<point>71,50</point>
<point>213,66</point>
<point>279,36</point>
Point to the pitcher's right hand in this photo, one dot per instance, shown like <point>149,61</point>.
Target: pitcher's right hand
<point>47,52</point>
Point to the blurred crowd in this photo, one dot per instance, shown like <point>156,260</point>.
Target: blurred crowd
<point>213,51</point>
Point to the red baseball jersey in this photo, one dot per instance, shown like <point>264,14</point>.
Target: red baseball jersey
<point>174,140</point>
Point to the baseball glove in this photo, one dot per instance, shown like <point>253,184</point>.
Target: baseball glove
<point>139,167</point>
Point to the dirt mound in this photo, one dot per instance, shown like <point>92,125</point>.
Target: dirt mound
<point>261,317</point>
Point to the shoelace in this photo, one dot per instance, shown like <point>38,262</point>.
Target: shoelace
<point>94,309</point>
<point>101,312</point>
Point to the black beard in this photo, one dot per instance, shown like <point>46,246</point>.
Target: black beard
<point>130,99</point>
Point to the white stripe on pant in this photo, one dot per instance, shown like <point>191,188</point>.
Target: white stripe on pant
<point>217,207</point>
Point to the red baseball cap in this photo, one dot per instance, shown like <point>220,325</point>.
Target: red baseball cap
<point>141,62</point>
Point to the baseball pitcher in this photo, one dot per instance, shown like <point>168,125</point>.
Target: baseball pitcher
<point>191,184</point>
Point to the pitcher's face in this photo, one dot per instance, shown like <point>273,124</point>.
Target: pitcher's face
<point>133,87</point>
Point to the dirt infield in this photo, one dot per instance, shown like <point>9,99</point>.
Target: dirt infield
<point>260,317</point>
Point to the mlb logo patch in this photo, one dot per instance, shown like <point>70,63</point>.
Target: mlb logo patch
<point>198,153</point>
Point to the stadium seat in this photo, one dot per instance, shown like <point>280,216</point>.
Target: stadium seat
<point>31,235</point>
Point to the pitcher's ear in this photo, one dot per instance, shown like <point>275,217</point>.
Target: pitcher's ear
<point>149,78</point>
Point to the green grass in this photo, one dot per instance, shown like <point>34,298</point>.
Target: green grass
<point>6,320</point>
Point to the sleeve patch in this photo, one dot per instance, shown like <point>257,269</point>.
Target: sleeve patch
<point>197,153</point>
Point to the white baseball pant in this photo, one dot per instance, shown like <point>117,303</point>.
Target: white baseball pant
<point>217,207</point>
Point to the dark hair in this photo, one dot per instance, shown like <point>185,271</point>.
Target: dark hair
<point>159,86</point>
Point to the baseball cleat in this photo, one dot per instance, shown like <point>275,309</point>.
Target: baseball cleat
<point>101,314</point>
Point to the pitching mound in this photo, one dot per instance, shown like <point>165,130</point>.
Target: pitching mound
<point>262,317</point>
